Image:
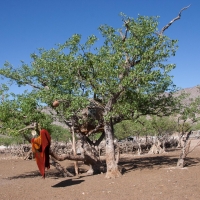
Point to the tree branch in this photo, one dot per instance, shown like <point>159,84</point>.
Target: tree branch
<point>61,169</point>
<point>66,156</point>
<point>99,126</point>
<point>126,31</point>
<point>172,21</point>
<point>28,127</point>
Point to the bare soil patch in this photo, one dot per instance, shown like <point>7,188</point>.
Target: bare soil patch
<point>145,177</point>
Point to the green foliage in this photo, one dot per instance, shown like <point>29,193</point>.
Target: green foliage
<point>95,136</point>
<point>59,134</point>
<point>7,141</point>
<point>188,114</point>
<point>19,112</point>
<point>196,127</point>
<point>145,126</point>
<point>124,129</point>
<point>163,125</point>
<point>128,73</point>
<point>140,127</point>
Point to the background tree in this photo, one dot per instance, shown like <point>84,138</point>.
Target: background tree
<point>18,111</point>
<point>59,133</point>
<point>163,125</point>
<point>188,115</point>
<point>127,128</point>
<point>196,127</point>
<point>128,76</point>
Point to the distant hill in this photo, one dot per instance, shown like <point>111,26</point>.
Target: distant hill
<point>56,121</point>
<point>193,92</point>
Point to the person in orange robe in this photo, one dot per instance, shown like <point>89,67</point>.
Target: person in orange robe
<point>40,148</point>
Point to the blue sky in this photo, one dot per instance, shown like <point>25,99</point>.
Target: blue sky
<point>26,25</point>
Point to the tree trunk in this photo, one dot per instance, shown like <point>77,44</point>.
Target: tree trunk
<point>112,167</point>
<point>179,140</point>
<point>156,148</point>
<point>74,151</point>
<point>184,151</point>
<point>163,144</point>
<point>117,154</point>
<point>139,148</point>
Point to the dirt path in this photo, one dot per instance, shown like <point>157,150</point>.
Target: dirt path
<point>146,177</point>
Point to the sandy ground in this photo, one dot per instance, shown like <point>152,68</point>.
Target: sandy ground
<point>146,177</point>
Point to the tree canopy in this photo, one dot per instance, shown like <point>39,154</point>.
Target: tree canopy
<point>128,71</point>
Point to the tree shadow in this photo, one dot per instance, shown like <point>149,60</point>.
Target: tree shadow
<point>154,162</point>
<point>31,174</point>
<point>192,162</point>
<point>68,182</point>
<point>51,173</point>
<point>173,149</point>
<point>71,168</point>
<point>126,164</point>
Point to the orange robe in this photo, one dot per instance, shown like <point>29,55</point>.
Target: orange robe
<point>40,148</point>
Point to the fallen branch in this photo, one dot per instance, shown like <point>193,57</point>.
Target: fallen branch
<point>61,169</point>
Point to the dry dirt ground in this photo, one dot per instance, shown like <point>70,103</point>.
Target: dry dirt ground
<point>146,177</point>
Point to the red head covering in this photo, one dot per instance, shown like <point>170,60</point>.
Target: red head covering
<point>40,147</point>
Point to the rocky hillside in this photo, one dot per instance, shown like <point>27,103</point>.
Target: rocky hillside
<point>193,92</point>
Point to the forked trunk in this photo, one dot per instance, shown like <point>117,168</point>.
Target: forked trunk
<point>111,163</point>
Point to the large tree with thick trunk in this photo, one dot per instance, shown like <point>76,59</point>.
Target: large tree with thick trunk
<point>126,74</point>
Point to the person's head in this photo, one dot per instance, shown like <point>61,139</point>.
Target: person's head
<point>33,133</point>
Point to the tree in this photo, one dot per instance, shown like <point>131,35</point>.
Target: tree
<point>127,76</point>
<point>140,127</point>
<point>163,125</point>
<point>196,127</point>
<point>59,133</point>
<point>188,113</point>
<point>187,116</point>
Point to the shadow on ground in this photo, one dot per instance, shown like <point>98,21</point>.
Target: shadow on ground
<point>67,183</point>
<point>128,163</point>
<point>51,173</point>
<point>141,163</point>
